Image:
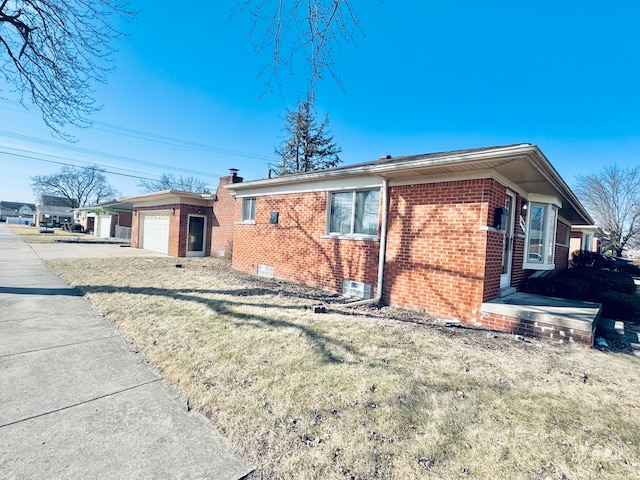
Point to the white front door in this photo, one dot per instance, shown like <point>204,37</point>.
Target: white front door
<point>507,247</point>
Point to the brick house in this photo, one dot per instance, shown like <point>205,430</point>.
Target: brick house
<point>185,224</point>
<point>443,232</point>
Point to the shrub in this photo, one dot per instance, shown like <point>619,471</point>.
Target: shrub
<point>620,305</point>
<point>582,259</point>
<point>558,286</point>
<point>601,280</point>
<point>615,290</point>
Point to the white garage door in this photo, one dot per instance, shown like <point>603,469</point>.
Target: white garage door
<point>105,227</point>
<point>155,232</point>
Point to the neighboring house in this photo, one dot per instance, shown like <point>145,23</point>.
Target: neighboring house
<point>585,238</point>
<point>17,212</point>
<point>106,220</point>
<point>444,233</point>
<point>185,224</point>
<point>53,210</point>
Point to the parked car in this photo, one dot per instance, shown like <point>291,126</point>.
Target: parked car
<point>623,265</point>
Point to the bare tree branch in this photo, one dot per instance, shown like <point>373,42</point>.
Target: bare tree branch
<point>613,199</point>
<point>80,186</point>
<point>55,51</point>
<point>168,181</point>
<point>308,30</point>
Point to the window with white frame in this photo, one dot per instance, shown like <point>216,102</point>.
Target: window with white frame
<point>541,235</point>
<point>248,209</point>
<point>354,212</point>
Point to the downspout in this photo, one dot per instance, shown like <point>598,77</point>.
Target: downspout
<point>383,249</point>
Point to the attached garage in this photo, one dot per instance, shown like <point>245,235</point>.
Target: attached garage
<point>155,232</point>
<point>173,222</point>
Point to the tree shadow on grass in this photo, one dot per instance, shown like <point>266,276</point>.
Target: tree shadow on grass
<point>328,348</point>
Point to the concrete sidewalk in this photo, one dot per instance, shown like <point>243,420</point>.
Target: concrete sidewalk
<point>76,401</point>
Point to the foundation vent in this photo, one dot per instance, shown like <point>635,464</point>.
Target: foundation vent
<point>265,271</point>
<point>356,289</point>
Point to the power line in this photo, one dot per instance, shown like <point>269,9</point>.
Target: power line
<point>67,160</point>
<point>97,153</point>
<point>129,132</point>
<point>153,137</point>
<point>67,164</point>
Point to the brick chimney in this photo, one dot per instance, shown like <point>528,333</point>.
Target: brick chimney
<point>233,177</point>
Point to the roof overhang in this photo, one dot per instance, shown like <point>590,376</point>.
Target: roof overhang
<point>111,207</point>
<point>523,167</point>
<point>595,229</point>
<point>169,197</point>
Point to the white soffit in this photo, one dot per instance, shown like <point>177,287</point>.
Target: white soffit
<point>323,185</point>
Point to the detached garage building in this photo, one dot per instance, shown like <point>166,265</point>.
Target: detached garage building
<point>184,224</point>
<point>172,222</point>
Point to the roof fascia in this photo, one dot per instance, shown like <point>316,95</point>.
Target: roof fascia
<point>544,167</point>
<point>386,170</point>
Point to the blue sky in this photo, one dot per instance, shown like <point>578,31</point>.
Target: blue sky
<point>426,77</point>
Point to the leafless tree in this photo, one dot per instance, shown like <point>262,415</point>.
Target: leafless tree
<point>295,28</point>
<point>54,51</point>
<point>168,181</point>
<point>612,197</point>
<point>80,186</point>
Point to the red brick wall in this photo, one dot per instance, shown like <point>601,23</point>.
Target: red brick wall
<point>494,196</point>
<point>436,246</point>
<point>536,329</point>
<point>174,224</point>
<point>576,241</point>
<point>295,247</point>
<point>135,230</point>
<point>179,228</point>
<point>224,215</point>
<point>125,219</point>
<point>443,256</point>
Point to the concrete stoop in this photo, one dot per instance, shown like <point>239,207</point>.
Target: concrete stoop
<point>544,317</point>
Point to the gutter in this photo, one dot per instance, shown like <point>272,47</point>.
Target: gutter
<point>383,249</point>
<point>399,163</point>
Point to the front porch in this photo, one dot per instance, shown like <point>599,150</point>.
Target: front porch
<point>545,317</point>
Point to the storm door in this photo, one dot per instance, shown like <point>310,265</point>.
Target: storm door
<point>507,246</point>
<point>196,236</point>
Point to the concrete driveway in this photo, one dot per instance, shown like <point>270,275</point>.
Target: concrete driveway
<point>77,401</point>
<point>48,251</point>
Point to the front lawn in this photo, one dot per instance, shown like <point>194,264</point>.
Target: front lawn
<point>368,393</point>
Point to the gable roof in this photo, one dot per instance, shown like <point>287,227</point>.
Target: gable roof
<point>522,165</point>
<point>16,205</point>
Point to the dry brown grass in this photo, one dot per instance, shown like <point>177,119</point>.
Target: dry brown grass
<point>368,394</point>
<point>32,234</point>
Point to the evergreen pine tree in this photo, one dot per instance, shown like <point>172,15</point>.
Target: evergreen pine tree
<point>309,147</point>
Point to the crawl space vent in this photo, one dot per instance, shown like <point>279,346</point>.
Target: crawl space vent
<point>356,289</point>
<point>265,271</point>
